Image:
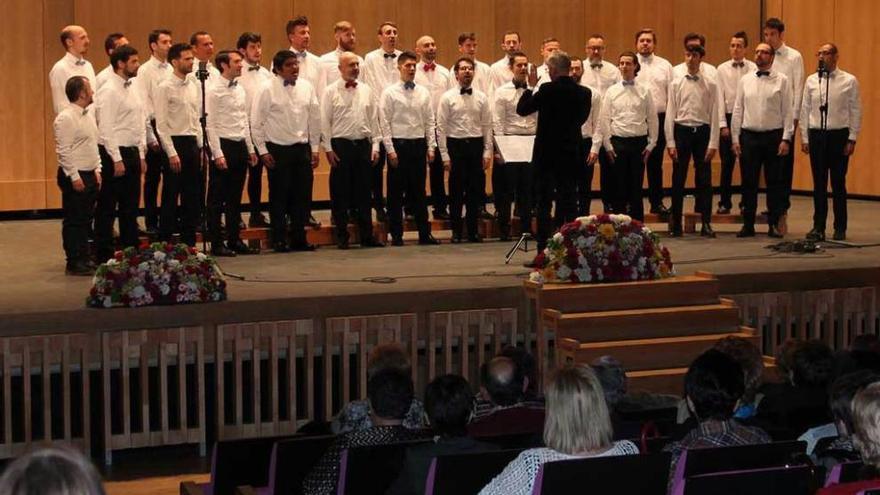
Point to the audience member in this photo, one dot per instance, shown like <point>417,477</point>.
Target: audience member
<point>448,401</point>
<point>525,362</point>
<point>865,342</point>
<point>840,397</point>
<point>390,393</point>
<point>866,437</point>
<point>578,426</point>
<point>51,471</point>
<point>504,385</point>
<point>713,386</point>
<point>356,414</point>
<point>749,357</point>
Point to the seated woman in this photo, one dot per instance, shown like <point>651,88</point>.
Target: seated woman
<point>577,426</point>
<point>866,421</point>
<point>51,471</point>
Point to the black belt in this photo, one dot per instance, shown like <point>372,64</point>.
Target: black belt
<point>693,129</point>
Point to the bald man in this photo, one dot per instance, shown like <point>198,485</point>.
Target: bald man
<point>504,385</point>
<point>75,41</point>
<point>438,80</point>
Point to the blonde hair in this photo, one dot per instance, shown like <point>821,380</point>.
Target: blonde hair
<point>577,416</point>
<point>866,419</point>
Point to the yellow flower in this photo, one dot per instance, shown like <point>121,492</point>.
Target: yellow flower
<point>607,231</point>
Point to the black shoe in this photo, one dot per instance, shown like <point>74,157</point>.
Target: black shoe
<point>397,241</point>
<point>660,209</point>
<point>78,269</point>
<point>409,217</point>
<point>221,250</point>
<point>303,247</point>
<point>816,235</point>
<point>441,215</point>
<point>675,232</point>
<point>381,216</point>
<point>342,244</point>
<point>372,243</point>
<point>313,223</point>
<point>765,212</point>
<point>746,231</point>
<point>475,238</point>
<point>773,231</point>
<point>151,231</point>
<point>243,249</point>
<point>485,215</point>
<point>504,237</point>
<point>723,210</point>
<point>428,241</point>
<point>839,235</point>
<point>241,225</point>
<point>707,231</point>
<point>280,247</point>
<point>257,221</point>
<point>456,238</point>
<point>533,263</point>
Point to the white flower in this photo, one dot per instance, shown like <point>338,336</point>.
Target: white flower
<point>159,255</point>
<point>108,302</point>
<point>112,262</point>
<point>557,237</point>
<point>173,263</point>
<point>581,242</point>
<point>144,266</point>
<point>164,289</point>
<point>536,277</point>
<point>581,260</point>
<point>563,272</point>
<point>138,292</point>
<point>583,274</point>
<point>201,256</point>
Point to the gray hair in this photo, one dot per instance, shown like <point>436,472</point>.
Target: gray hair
<point>612,376</point>
<point>577,416</point>
<point>51,471</point>
<point>559,62</point>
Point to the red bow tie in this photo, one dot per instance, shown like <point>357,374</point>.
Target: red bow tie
<point>351,84</point>
<point>431,66</point>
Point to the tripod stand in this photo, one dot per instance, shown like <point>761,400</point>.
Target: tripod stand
<point>204,155</point>
<point>522,244</point>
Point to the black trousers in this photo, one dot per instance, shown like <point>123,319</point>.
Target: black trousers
<point>407,180</point>
<point>607,180</point>
<point>514,183</point>
<point>119,196</point>
<point>439,198</point>
<point>78,208</point>
<point>759,150</point>
<point>691,142</point>
<point>787,173</point>
<point>378,179</point>
<point>630,172</point>
<point>466,183</point>
<point>728,162</point>
<point>224,191</point>
<point>181,186</point>
<point>157,161</point>
<point>551,184</point>
<point>583,175</point>
<point>655,165</point>
<point>290,185</point>
<point>827,158</point>
<point>350,186</point>
<point>255,188</point>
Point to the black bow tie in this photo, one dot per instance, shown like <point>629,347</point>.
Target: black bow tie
<point>85,111</point>
<point>253,67</point>
<point>628,83</point>
<point>289,83</point>
<point>690,77</point>
<point>301,54</point>
<point>739,65</point>
<point>233,84</point>
<point>409,85</point>
<point>126,84</point>
<point>390,55</point>
<point>81,61</point>
<point>596,66</point>
<point>520,85</point>
<point>762,73</point>
<point>467,91</point>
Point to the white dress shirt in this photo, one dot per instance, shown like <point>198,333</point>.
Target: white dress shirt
<point>437,81</point>
<point>693,103</point>
<point>505,121</point>
<point>121,118</point>
<point>349,113</point>
<point>600,78</point>
<point>710,72</point>
<point>76,141</point>
<point>655,74</point>
<point>252,81</point>
<point>763,104</point>
<point>380,72</point>
<point>177,106</point>
<point>406,114</point>
<point>728,79</point>
<point>63,70</point>
<point>149,75</point>
<point>500,72</point>
<point>482,78</point>
<point>628,111</point>
<point>311,68</point>
<point>464,116</point>
<point>102,77</point>
<point>590,129</point>
<point>844,104</point>
<point>790,62</point>
<point>227,115</point>
<point>330,60</point>
<point>213,75</point>
<point>285,115</point>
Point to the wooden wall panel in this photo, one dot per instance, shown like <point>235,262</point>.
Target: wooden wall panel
<point>716,21</point>
<point>22,174</point>
<point>365,15</point>
<point>56,15</point>
<point>445,20</point>
<point>538,20</point>
<point>619,21</point>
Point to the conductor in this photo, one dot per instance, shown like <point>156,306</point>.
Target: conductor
<point>563,106</point>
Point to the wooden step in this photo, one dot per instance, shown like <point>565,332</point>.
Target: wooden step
<point>663,381</point>
<point>691,220</point>
<point>644,323</point>
<point>699,289</point>
<point>648,354</point>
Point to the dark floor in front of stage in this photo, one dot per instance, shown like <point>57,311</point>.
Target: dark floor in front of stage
<point>32,262</point>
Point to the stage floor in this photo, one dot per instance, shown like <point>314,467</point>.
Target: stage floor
<point>32,262</point>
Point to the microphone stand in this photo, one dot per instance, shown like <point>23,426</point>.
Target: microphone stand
<point>204,156</point>
<point>823,117</point>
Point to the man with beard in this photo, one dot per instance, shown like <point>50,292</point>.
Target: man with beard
<point>253,77</point>
<point>345,36</point>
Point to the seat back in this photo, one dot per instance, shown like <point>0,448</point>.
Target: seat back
<point>845,472</point>
<point>292,460</point>
<point>466,473</point>
<point>514,440</point>
<point>371,470</point>
<point>241,462</point>
<point>796,480</point>
<point>606,475</point>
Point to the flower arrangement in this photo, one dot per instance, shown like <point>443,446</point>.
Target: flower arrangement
<point>603,248</point>
<point>158,273</point>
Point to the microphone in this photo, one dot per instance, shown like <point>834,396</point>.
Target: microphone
<point>822,69</point>
<point>202,73</point>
